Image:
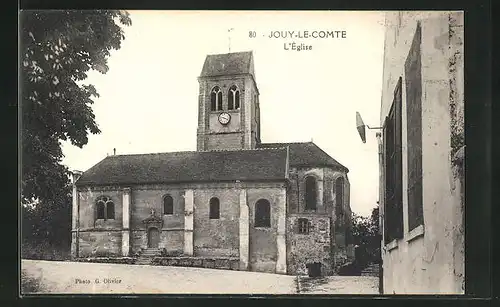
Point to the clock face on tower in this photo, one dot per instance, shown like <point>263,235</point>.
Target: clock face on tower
<point>224,118</point>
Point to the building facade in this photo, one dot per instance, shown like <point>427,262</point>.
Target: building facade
<point>272,207</point>
<point>422,154</point>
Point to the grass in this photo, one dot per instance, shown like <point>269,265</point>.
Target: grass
<point>30,284</point>
<point>44,251</point>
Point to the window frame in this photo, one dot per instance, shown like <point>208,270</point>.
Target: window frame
<point>216,106</point>
<point>303,226</point>
<point>103,201</point>
<point>262,221</point>
<point>339,199</point>
<point>310,197</point>
<point>393,169</point>
<point>233,98</point>
<point>101,210</point>
<point>214,214</point>
<point>165,197</point>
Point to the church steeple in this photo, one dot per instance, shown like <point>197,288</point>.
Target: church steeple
<point>229,113</point>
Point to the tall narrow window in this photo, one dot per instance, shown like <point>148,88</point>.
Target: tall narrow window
<point>101,210</point>
<point>110,211</point>
<point>168,205</point>
<point>216,99</point>
<point>348,229</point>
<point>393,200</point>
<point>339,198</point>
<point>233,98</point>
<point>105,208</point>
<point>303,226</point>
<point>214,208</point>
<point>413,77</point>
<point>237,100</point>
<point>262,213</point>
<point>310,195</point>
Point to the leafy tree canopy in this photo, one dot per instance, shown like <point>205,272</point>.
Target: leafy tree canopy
<point>58,48</point>
<point>365,229</point>
<point>366,236</point>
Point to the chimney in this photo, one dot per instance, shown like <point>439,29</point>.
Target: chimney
<point>114,151</point>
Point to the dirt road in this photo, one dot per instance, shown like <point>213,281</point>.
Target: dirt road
<point>56,277</point>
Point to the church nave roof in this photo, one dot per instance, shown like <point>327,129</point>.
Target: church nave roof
<point>306,154</point>
<point>189,166</point>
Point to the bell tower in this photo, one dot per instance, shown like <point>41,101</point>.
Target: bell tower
<point>228,103</point>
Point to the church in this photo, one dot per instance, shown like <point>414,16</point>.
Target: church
<point>270,207</point>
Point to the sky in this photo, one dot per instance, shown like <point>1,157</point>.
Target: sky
<point>149,97</point>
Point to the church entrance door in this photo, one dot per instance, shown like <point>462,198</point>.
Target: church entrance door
<point>153,237</point>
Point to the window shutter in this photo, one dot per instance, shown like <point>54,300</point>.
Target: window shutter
<point>413,83</point>
<point>398,180</point>
<point>385,179</point>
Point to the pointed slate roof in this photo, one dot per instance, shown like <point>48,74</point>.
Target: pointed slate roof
<point>306,154</point>
<point>189,166</point>
<point>228,64</point>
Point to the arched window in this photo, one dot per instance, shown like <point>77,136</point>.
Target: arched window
<point>310,195</point>
<point>105,208</point>
<point>168,205</point>
<point>303,226</point>
<point>262,213</point>
<point>214,208</point>
<point>110,211</point>
<point>101,210</point>
<point>233,98</point>
<point>216,99</point>
<point>339,201</point>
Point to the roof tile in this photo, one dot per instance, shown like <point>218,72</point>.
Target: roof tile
<point>228,64</point>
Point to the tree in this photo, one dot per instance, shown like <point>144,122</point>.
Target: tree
<point>366,235</point>
<point>58,48</point>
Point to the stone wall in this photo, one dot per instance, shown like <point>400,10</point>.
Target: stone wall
<point>88,212</point>
<point>339,252</point>
<point>211,237</point>
<point>325,178</point>
<point>144,199</point>
<point>314,246</point>
<point>100,243</point>
<point>264,247</point>
<point>428,259</point>
<point>241,131</point>
<point>199,262</point>
<point>216,237</point>
<point>147,198</point>
<point>224,141</point>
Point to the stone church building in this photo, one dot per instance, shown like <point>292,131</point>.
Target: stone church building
<point>274,207</point>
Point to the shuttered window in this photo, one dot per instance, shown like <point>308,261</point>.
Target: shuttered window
<point>413,82</point>
<point>393,200</point>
